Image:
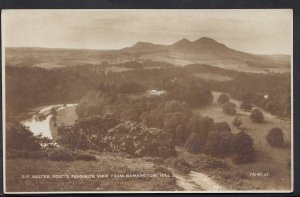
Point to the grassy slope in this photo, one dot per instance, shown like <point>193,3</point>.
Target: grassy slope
<point>269,159</point>
<point>106,164</point>
<point>232,178</point>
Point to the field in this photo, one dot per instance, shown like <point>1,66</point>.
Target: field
<point>275,161</point>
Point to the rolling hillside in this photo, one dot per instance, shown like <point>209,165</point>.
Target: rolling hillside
<point>208,51</point>
<point>202,51</point>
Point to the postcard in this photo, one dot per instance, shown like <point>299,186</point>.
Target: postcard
<point>137,100</point>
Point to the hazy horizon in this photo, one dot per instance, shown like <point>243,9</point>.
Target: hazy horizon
<point>252,31</point>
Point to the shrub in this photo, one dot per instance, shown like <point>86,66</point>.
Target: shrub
<point>155,160</point>
<point>229,108</point>
<point>237,122</point>
<point>207,163</point>
<point>138,140</point>
<point>87,133</point>
<point>193,144</point>
<point>162,170</point>
<point>61,155</point>
<point>257,116</point>
<point>223,98</point>
<point>179,164</point>
<point>172,121</point>
<point>275,137</point>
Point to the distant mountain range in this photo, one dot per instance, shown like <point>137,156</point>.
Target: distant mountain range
<point>202,51</point>
<point>207,51</point>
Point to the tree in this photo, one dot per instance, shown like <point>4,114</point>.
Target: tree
<point>172,121</point>
<point>221,126</point>
<point>206,124</point>
<point>257,116</point>
<point>129,114</point>
<point>181,135</point>
<point>137,140</point>
<point>129,87</point>
<point>224,143</point>
<point>87,133</point>
<point>192,144</point>
<point>193,125</point>
<point>275,137</point>
<point>198,127</point>
<point>218,143</point>
<point>223,98</point>
<point>237,122</point>
<point>191,91</point>
<point>229,108</point>
<point>273,106</point>
<point>19,137</point>
<point>172,106</point>
<point>53,111</point>
<point>246,105</point>
<point>241,146</point>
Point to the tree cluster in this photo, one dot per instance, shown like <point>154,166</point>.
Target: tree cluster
<point>217,140</point>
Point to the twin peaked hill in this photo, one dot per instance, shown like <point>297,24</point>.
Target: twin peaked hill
<point>202,51</point>
<point>208,51</point>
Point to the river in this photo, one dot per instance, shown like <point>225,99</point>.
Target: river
<point>39,125</point>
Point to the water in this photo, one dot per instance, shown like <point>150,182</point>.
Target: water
<point>38,126</point>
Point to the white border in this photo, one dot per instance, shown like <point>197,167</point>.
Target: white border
<point>111,192</point>
<point>3,100</point>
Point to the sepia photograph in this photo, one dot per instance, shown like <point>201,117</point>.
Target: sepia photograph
<point>147,100</point>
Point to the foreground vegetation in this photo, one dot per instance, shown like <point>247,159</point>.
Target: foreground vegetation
<point>108,164</point>
<point>120,124</point>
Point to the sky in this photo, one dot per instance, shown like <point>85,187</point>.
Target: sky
<point>253,31</point>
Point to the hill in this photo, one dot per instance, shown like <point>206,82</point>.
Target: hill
<point>202,51</point>
<point>209,51</point>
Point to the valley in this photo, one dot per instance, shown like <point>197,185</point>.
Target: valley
<point>138,111</point>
